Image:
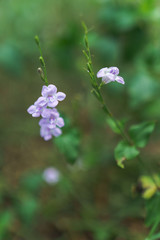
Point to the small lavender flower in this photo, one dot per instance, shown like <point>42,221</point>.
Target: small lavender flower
<point>51,121</point>
<point>51,118</point>
<point>110,75</point>
<point>51,175</point>
<point>48,112</point>
<point>51,96</point>
<point>51,126</point>
<point>38,107</point>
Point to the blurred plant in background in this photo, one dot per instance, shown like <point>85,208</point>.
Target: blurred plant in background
<point>93,197</point>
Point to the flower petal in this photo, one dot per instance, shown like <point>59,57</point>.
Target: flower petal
<point>120,80</point>
<point>46,113</point>
<point>31,109</point>
<point>50,90</point>
<point>108,78</point>
<point>44,91</point>
<point>56,132</point>
<point>47,137</point>
<point>53,104</point>
<point>113,70</point>
<point>102,72</point>
<point>41,102</point>
<point>61,96</point>
<point>36,114</point>
<point>60,122</point>
<point>43,122</point>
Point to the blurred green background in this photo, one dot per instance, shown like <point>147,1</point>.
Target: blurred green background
<point>94,198</point>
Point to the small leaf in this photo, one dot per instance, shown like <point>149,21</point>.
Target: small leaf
<point>123,152</point>
<point>140,133</point>
<point>149,185</point>
<point>115,126</point>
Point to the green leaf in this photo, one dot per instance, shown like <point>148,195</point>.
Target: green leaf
<point>68,144</point>
<point>123,152</point>
<point>140,133</point>
<point>111,122</point>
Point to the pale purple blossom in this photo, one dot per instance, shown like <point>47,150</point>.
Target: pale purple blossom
<point>51,122</point>
<point>47,132</point>
<point>38,107</point>
<point>50,95</point>
<point>51,118</point>
<point>50,126</point>
<point>51,175</point>
<point>110,75</point>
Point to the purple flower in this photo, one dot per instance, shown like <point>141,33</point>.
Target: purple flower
<point>48,112</point>
<point>51,96</point>
<point>51,121</point>
<point>51,175</point>
<point>110,75</point>
<point>47,132</point>
<point>37,108</point>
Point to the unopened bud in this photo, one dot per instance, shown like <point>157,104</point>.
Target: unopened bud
<point>40,71</point>
<point>42,61</point>
<point>36,38</point>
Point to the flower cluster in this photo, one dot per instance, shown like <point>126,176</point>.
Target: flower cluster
<point>51,121</point>
<point>110,75</point>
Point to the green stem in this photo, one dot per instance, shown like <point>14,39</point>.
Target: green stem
<point>42,60</point>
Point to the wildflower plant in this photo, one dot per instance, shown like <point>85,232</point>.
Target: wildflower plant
<point>132,141</point>
<point>51,122</point>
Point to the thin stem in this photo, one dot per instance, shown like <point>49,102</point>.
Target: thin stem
<point>41,59</point>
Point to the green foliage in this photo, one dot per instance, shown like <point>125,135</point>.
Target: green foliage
<point>140,133</point>
<point>107,47</point>
<point>123,152</point>
<point>32,182</point>
<point>27,208</point>
<point>142,88</point>
<point>118,17</point>
<point>153,214</point>
<point>154,237</point>
<point>6,218</point>
<point>153,210</point>
<point>68,144</point>
<point>11,58</point>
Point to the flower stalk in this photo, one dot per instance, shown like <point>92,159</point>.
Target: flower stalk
<point>43,73</point>
<point>96,91</point>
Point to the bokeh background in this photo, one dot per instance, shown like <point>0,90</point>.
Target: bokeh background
<point>94,199</point>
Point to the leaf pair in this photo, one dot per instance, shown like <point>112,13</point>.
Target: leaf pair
<point>139,135</point>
